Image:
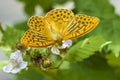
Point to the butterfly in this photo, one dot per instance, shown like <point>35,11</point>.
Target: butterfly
<point>55,26</point>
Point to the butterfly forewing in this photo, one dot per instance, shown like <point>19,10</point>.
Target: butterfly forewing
<point>37,22</point>
<point>59,19</point>
<point>39,34</point>
<point>81,24</point>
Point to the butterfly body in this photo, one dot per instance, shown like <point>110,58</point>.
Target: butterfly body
<point>57,25</point>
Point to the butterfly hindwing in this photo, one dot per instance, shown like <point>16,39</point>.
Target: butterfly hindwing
<point>33,38</point>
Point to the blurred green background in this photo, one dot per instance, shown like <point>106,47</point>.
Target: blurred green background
<point>94,56</point>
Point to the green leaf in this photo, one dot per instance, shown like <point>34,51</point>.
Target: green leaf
<point>94,68</point>
<point>109,29</point>
<point>11,36</point>
<point>113,60</point>
<point>32,74</point>
<point>65,65</point>
<point>115,36</point>
<point>21,26</point>
<point>95,8</point>
<point>84,49</point>
<point>117,71</point>
<point>109,21</point>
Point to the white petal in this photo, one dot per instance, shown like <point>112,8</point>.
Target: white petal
<point>23,65</point>
<point>13,56</point>
<point>55,50</point>
<point>8,68</point>
<point>15,70</point>
<point>19,59</point>
<point>66,43</point>
<point>17,56</point>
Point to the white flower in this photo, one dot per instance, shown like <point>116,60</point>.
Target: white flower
<point>16,63</point>
<point>65,44</point>
<point>55,50</point>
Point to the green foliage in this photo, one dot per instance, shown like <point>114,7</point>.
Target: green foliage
<point>46,5</point>
<point>21,26</point>
<point>84,49</point>
<point>93,68</point>
<point>115,63</point>
<point>32,74</point>
<point>113,60</point>
<point>109,21</point>
<point>11,36</point>
<point>83,60</point>
<point>100,8</point>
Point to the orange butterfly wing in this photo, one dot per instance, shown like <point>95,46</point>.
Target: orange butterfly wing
<point>80,25</point>
<point>59,19</point>
<point>67,25</point>
<point>39,34</point>
<point>57,25</point>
